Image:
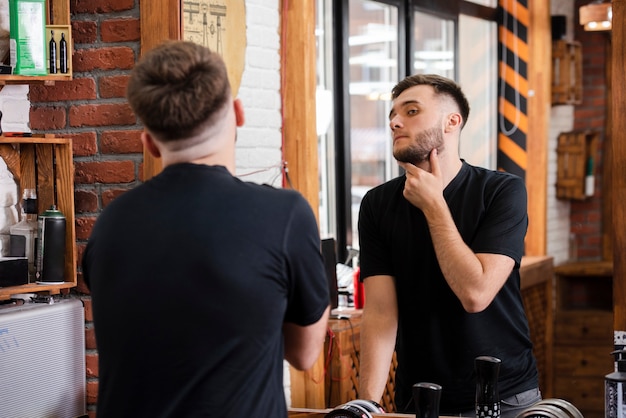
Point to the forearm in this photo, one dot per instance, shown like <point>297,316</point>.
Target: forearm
<point>303,345</point>
<point>379,326</point>
<point>463,270</point>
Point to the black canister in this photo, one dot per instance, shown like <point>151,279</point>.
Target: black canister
<point>51,251</point>
<point>487,397</point>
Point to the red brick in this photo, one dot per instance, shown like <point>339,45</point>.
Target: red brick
<point>99,6</point>
<point>90,338</point>
<point>101,115</point>
<point>120,30</point>
<point>121,142</point>
<point>47,118</point>
<point>88,309</point>
<point>104,172</point>
<point>91,365</point>
<point>84,225</point>
<point>92,392</point>
<point>84,32</point>
<point>84,143</point>
<point>112,58</point>
<point>109,195</point>
<point>85,201</point>
<point>63,91</point>
<point>113,86</point>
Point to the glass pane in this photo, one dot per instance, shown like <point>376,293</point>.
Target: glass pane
<point>373,72</point>
<point>324,118</point>
<point>478,77</point>
<point>434,45</point>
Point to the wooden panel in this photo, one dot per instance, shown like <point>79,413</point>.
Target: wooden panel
<point>59,12</point>
<point>299,79</point>
<point>586,393</point>
<point>160,20</point>
<point>590,326</point>
<point>539,80</point>
<point>618,144</point>
<point>574,150</point>
<point>589,360</point>
<point>567,72</point>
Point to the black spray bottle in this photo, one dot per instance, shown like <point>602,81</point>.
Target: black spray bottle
<point>615,388</point>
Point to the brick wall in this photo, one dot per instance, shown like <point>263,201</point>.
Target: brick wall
<point>586,216</point>
<point>93,111</point>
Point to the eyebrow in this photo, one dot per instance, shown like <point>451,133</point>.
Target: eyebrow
<point>403,104</point>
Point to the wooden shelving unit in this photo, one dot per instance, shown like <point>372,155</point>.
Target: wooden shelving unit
<point>58,13</point>
<point>45,163</point>
<point>583,334</point>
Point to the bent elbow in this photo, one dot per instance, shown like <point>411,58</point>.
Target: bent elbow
<point>302,362</point>
<point>475,305</point>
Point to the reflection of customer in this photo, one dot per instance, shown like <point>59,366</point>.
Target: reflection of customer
<point>440,253</point>
<point>201,283</point>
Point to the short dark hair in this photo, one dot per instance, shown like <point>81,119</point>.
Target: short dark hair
<point>441,85</point>
<point>177,89</point>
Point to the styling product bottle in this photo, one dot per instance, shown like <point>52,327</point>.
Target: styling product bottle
<point>53,53</point>
<point>63,54</point>
<point>426,396</point>
<point>23,239</point>
<point>615,388</point>
<point>487,396</point>
<point>51,250</point>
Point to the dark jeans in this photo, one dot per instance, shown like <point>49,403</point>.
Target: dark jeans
<point>512,406</point>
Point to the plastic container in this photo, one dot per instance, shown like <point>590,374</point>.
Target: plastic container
<point>615,388</point>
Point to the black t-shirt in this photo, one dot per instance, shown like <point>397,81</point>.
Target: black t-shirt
<point>192,275</point>
<point>437,339</point>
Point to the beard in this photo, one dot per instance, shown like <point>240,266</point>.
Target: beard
<point>419,150</point>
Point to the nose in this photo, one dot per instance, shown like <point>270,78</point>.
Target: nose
<point>394,123</point>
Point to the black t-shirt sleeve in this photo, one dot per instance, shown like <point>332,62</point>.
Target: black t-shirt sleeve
<point>505,221</point>
<point>308,287</point>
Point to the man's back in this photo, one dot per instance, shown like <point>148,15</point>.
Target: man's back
<point>192,276</point>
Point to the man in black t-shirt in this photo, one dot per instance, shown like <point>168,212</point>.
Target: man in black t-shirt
<point>440,250</point>
<point>201,284</point>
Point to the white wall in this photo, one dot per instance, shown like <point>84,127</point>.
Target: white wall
<point>259,149</point>
<point>561,120</point>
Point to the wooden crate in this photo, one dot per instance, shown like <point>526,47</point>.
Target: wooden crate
<point>45,163</point>
<point>574,149</point>
<point>567,72</point>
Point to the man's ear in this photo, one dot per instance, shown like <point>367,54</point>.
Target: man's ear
<point>453,122</point>
<point>239,113</point>
<point>148,143</point>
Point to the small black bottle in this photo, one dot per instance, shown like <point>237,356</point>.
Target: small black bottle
<point>487,396</point>
<point>426,396</point>
<point>53,54</point>
<point>63,54</point>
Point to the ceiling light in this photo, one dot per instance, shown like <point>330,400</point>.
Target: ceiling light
<point>596,16</point>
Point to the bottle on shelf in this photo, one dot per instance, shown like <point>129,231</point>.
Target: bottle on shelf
<point>50,261</point>
<point>23,238</point>
<point>63,54</point>
<point>52,50</point>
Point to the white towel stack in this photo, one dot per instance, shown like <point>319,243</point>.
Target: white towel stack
<point>9,199</point>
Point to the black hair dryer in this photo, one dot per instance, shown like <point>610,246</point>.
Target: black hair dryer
<point>426,396</point>
<point>487,397</point>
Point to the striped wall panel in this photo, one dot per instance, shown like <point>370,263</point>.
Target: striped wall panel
<point>512,86</point>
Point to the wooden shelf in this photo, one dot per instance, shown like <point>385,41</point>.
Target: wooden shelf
<point>45,163</point>
<point>58,13</point>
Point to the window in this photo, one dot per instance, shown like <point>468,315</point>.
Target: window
<point>364,47</point>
